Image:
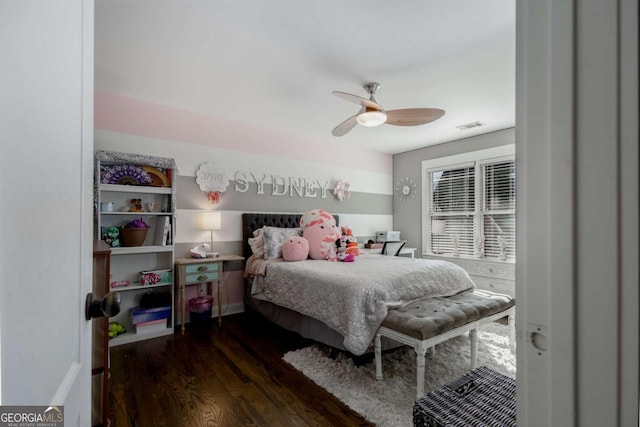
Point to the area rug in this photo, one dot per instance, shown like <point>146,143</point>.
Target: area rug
<point>390,402</point>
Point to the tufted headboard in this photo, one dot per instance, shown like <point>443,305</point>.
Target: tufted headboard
<point>253,221</point>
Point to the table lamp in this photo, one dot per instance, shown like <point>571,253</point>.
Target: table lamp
<point>211,221</point>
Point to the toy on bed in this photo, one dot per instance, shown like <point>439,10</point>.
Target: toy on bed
<point>320,229</point>
<point>342,250</point>
<point>352,242</point>
<point>295,249</point>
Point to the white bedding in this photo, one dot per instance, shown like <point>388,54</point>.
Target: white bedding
<point>353,298</point>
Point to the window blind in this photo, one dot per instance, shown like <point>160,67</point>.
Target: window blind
<point>499,202</point>
<point>469,201</point>
<point>453,207</point>
<point>453,190</point>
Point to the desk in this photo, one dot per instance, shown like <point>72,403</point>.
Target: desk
<point>192,271</point>
<point>404,251</point>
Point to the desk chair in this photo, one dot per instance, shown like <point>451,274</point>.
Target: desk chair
<point>393,247</point>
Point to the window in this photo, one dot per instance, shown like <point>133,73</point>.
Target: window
<point>469,207</point>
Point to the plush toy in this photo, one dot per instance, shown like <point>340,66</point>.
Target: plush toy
<point>111,235</point>
<point>341,250</point>
<point>320,229</point>
<point>116,329</point>
<point>295,249</point>
<point>200,251</point>
<point>137,205</point>
<point>316,216</point>
<point>352,242</point>
<point>328,247</point>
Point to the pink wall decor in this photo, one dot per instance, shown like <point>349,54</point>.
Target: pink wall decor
<point>212,179</point>
<point>341,190</point>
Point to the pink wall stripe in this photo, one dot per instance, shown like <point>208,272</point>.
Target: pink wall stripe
<point>126,115</point>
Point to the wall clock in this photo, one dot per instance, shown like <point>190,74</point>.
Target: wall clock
<point>406,189</point>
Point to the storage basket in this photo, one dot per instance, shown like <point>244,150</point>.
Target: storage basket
<point>133,236</point>
<point>481,397</point>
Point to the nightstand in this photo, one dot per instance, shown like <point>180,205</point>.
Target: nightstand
<point>193,271</point>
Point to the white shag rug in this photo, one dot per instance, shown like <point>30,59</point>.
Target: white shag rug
<point>390,402</point>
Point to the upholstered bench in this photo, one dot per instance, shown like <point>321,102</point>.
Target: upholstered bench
<point>424,323</point>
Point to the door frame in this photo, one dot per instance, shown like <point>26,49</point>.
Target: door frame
<point>577,210</point>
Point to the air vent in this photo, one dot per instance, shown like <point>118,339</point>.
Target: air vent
<point>470,125</point>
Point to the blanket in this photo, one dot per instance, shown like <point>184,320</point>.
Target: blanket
<point>353,298</point>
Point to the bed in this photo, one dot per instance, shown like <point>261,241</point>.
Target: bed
<point>341,304</point>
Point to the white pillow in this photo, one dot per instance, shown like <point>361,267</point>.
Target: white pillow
<point>274,238</point>
<point>257,243</point>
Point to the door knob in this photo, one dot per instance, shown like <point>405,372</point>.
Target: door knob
<point>109,306</point>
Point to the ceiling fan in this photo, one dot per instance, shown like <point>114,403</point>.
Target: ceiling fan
<point>373,114</point>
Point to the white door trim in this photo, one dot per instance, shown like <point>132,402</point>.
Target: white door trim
<point>577,165</point>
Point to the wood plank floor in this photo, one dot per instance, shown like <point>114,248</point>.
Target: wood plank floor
<point>211,376</point>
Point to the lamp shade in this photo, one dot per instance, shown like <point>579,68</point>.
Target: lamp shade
<point>372,118</point>
<point>211,221</point>
<point>437,226</point>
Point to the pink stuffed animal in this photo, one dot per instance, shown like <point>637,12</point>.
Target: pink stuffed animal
<point>295,249</point>
<point>319,228</point>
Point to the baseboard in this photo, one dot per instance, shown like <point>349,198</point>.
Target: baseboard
<point>228,309</point>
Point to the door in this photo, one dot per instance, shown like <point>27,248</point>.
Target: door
<point>46,192</point>
<point>577,211</point>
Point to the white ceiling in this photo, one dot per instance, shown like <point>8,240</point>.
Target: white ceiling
<point>274,63</point>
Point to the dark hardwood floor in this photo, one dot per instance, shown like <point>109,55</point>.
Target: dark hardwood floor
<point>211,376</point>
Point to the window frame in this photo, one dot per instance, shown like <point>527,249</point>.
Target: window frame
<point>477,159</point>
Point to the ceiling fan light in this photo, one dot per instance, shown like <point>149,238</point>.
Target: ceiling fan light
<point>372,118</point>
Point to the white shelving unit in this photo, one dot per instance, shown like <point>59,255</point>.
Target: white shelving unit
<point>157,252</point>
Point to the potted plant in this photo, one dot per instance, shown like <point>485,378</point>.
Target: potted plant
<point>134,233</point>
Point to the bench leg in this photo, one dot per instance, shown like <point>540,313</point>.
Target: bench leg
<point>473,337</point>
<point>421,351</point>
<point>378,355</point>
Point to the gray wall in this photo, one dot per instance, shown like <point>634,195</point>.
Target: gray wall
<point>407,215</point>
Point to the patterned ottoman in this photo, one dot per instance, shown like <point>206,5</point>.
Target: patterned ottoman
<point>481,397</point>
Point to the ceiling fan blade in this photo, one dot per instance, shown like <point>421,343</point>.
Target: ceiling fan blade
<point>413,116</point>
<point>358,100</point>
<point>345,126</point>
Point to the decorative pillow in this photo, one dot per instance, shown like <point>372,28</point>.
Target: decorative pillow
<point>257,243</point>
<point>274,238</point>
<point>296,248</point>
